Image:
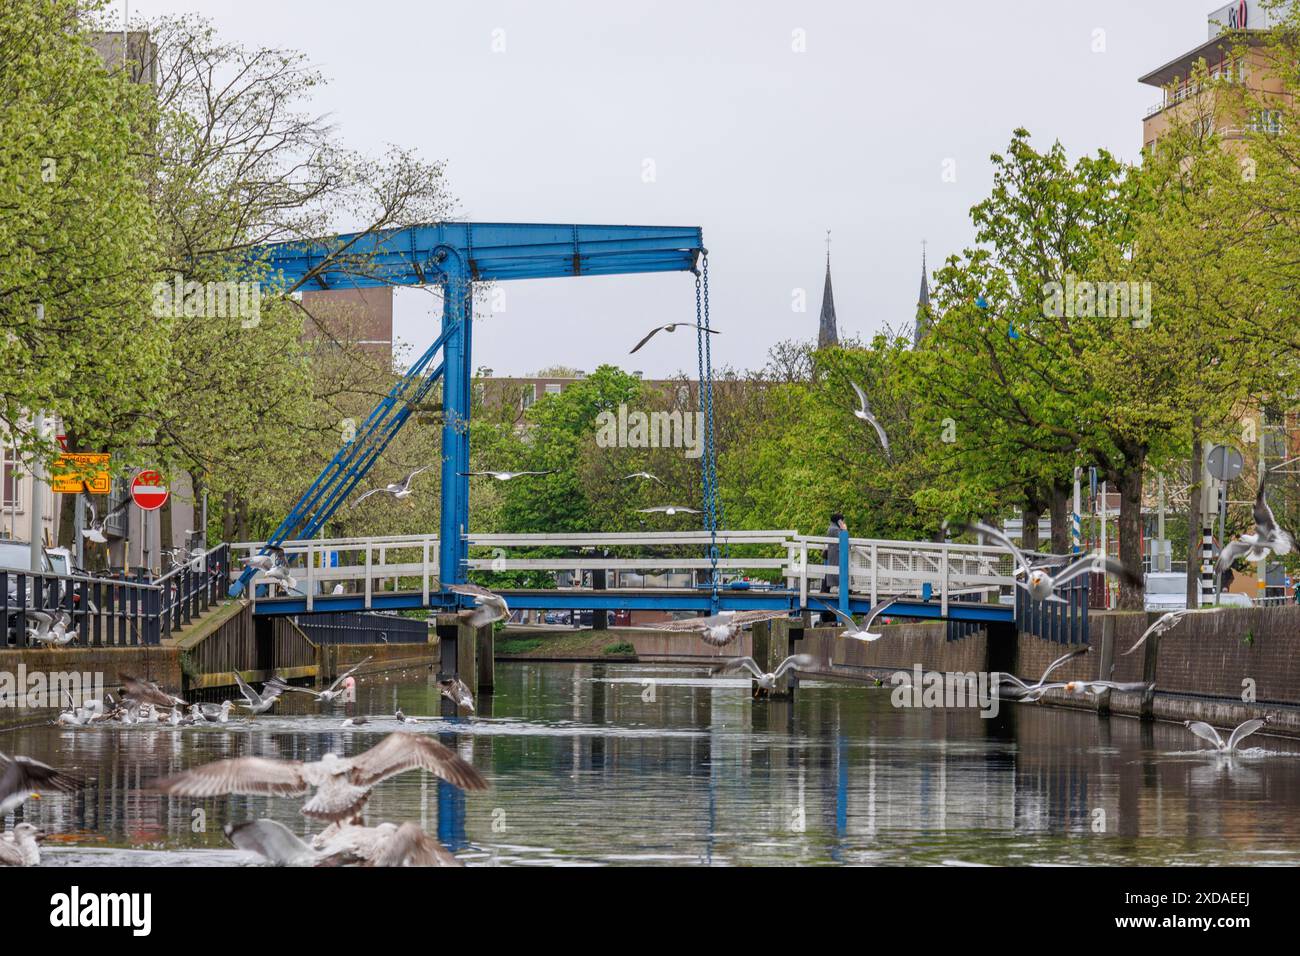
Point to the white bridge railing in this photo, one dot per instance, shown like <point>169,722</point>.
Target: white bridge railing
<point>877,568</point>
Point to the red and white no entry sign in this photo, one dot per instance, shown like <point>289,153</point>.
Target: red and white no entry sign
<point>149,490</point>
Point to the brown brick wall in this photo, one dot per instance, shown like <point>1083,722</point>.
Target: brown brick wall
<point>159,664</point>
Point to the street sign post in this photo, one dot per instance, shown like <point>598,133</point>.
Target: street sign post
<point>148,490</point>
<point>72,473</point>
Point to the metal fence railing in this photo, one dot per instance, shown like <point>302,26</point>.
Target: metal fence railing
<point>361,627</point>
<point>1065,622</point>
<point>113,611</point>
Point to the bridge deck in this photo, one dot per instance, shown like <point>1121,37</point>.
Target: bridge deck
<point>650,571</point>
<point>645,599</point>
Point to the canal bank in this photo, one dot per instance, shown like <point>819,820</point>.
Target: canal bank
<point>1222,666</point>
<point>199,663</point>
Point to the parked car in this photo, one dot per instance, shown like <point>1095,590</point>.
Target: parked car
<point>1167,591</point>
<point>16,555</point>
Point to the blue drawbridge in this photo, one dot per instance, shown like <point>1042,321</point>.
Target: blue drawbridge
<point>453,256</point>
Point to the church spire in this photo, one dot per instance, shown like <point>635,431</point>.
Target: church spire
<point>922,302</point>
<point>827,334</point>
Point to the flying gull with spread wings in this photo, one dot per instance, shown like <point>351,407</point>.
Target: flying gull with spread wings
<point>1165,622</point>
<point>1038,582</point>
<point>864,412</point>
<point>503,475</point>
<point>670,327</point>
<point>1012,686</point>
<point>339,786</point>
<point>1243,730</point>
<point>491,607</point>
<point>721,629</point>
<point>398,490</point>
<point>20,777</point>
<point>1268,537</point>
<point>863,633</point>
<point>341,684</point>
<point>767,681</point>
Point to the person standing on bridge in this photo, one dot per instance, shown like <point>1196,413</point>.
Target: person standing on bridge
<point>832,581</point>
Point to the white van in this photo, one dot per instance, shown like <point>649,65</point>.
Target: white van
<point>1167,591</point>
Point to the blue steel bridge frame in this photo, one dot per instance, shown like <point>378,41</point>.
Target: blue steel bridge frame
<point>452,255</point>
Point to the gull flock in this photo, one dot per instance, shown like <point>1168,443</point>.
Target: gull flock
<point>335,789</point>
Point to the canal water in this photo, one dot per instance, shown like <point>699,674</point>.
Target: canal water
<point>606,764</point>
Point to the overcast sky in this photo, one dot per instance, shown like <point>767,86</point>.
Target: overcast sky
<point>762,146</point>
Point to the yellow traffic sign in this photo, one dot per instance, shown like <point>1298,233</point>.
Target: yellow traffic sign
<point>72,473</point>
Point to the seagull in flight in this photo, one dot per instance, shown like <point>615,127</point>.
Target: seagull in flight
<point>258,703</point>
<point>1243,730</point>
<point>721,629</point>
<point>272,557</point>
<point>1097,686</point>
<point>767,681</point>
<point>668,510</point>
<point>1268,536</point>
<point>398,490</point>
<point>502,475</point>
<point>95,531</point>
<point>1041,585</point>
<point>339,786</point>
<point>863,411</point>
<point>643,475</point>
<point>863,633</point>
<point>146,691</point>
<point>280,575</point>
<point>21,777</point>
<point>51,628</point>
<point>1165,622</point>
<point>670,327</point>
<point>491,608</point>
<point>1018,690</point>
<point>339,844</point>
<point>341,683</point>
<point>456,691</point>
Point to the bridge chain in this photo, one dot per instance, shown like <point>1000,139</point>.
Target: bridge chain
<point>712,505</point>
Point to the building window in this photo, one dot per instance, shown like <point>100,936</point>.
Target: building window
<point>553,388</point>
<point>530,395</point>
<point>1266,121</point>
<point>10,492</point>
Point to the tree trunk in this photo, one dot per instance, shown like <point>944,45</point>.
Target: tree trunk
<point>1062,517</point>
<point>228,516</point>
<point>165,537</point>
<point>1130,528</point>
<point>1195,506</point>
<point>1033,510</point>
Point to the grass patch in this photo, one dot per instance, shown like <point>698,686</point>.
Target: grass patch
<point>517,645</point>
<point>622,647</point>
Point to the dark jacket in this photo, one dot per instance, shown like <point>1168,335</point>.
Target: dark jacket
<point>832,556</point>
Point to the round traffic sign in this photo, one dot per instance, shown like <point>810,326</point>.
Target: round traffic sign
<point>148,490</point>
<point>1224,462</point>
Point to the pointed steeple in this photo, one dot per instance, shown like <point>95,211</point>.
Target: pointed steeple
<point>827,333</point>
<point>922,303</point>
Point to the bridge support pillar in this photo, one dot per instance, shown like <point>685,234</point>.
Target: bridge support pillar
<point>1105,662</point>
<point>1147,710</point>
<point>458,652</point>
<point>485,644</point>
<point>772,642</point>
